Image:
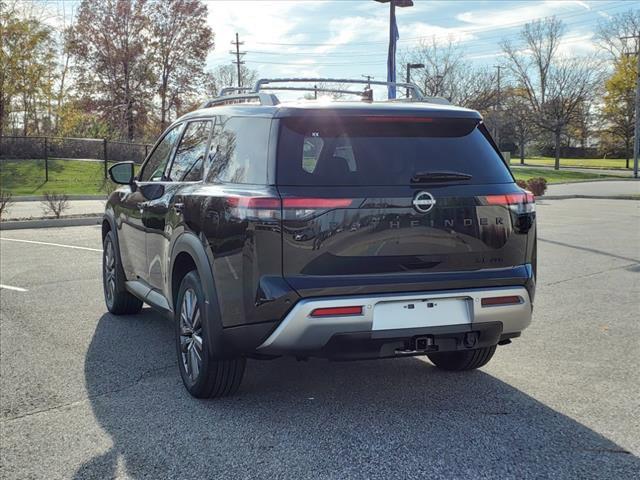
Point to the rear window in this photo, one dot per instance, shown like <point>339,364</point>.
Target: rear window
<point>383,150</point>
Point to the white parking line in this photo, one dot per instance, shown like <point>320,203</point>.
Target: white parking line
<point>51,244</point>
<point>233,270</point>
<point>9,287</point>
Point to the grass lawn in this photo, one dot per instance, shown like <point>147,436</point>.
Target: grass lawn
<point>611,163</point>
<point>26,177</point>
<point>553,176</point>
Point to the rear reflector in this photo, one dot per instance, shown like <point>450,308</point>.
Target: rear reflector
<point>336,311</point>
<point>507,300</point>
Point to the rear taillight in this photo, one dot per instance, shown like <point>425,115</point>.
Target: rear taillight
<point>264,208</point>
<point>505,300</point>
<point>337,311</point>
<point>522,202</point>
<point>296,207</point>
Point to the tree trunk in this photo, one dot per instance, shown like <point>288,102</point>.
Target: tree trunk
<point>626,151</point>
<point>557,149</point>
<point>130,120</point>
<point>522,146</point>
<point>163,110</point>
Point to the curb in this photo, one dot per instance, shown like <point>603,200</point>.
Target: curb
<point>39,198</point>
<point>597,197</point>
<point>50,223</point>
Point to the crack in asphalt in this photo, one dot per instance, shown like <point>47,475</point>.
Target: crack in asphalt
<point>588,275</point>
<point>140,378</point>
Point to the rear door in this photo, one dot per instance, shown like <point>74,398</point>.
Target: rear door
<point>394,203</point>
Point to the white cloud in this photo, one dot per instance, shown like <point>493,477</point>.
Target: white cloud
<point>486,19</point>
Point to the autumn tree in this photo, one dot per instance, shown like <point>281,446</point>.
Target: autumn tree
<point>618,110</point>
<point>555,87</point>
<point>181,41</point>
<point>27,66</point>
<point>109,42</point>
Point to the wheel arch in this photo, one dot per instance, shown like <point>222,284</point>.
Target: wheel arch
<point>188,254</point>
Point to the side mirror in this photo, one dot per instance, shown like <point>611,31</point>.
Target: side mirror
<point>122,173</point>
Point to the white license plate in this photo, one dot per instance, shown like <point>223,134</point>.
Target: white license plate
<point>421,313</point>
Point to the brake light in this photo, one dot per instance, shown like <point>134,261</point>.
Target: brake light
<point>316,203</point>
<point>522,202</point>
<point>269,207</point>
<point>510,198</point>
<point>337,311</point>
<point>506,300</point>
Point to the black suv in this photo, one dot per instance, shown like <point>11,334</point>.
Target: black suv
<point>344,230</point>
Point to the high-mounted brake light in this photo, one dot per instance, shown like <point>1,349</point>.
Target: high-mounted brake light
<point>337,311</point>
<point>506,300</point>
<point>387,119</point>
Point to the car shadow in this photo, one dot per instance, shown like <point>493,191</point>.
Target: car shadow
<point>317,419</point>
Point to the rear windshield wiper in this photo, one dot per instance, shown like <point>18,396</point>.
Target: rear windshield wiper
<point>439,176</point>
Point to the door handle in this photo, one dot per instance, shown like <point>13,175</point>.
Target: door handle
<point>142,205</point>
<point>178,207</point>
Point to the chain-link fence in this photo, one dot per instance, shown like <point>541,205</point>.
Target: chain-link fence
<point>43,149</point>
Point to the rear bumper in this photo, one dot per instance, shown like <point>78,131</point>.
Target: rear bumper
<point>301,334</point>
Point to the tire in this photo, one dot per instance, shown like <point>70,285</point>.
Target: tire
<point>462,359</point>
<point>203,375</point>
<point>118,300</point>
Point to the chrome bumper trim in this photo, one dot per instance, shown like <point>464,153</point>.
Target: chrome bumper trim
<point>301,332</point>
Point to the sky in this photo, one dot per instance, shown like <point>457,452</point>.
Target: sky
<point>349,38</point>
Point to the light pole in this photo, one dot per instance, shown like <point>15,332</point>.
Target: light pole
<point>393,38</point>
<point>409,67</point>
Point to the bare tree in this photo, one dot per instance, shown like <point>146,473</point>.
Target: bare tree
<point>447,74</point>
<point>181,42</point>
<point>610,33</point>
<point>225,76</point>
<point>6,201</point>
<point>517,119</point>
<point>55,203</point>
<point>554,87</point>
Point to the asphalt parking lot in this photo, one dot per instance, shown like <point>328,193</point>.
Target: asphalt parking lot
<point>89,395</point>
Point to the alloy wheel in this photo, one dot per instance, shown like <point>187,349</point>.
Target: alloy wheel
<point>109,272</point>
<point>191,335</point>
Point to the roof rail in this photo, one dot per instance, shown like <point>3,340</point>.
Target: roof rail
<point>246,94</point>
<point>263,98</point>
<point>226,90</point>
<point>263,83</point>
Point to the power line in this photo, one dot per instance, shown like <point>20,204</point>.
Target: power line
<point>460,31</point>
<point>237,61</point>
<point>482,44</point>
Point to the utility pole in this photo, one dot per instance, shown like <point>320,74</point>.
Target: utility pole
<point>237,61</point>
<point>369,78</point>
<point>636,130</point>
<point>498,107</point>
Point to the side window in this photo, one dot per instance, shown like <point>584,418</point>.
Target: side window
<point>311,149</point>
<point>189,159</point>
<point>239,150</point>
<point>153,170</point>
